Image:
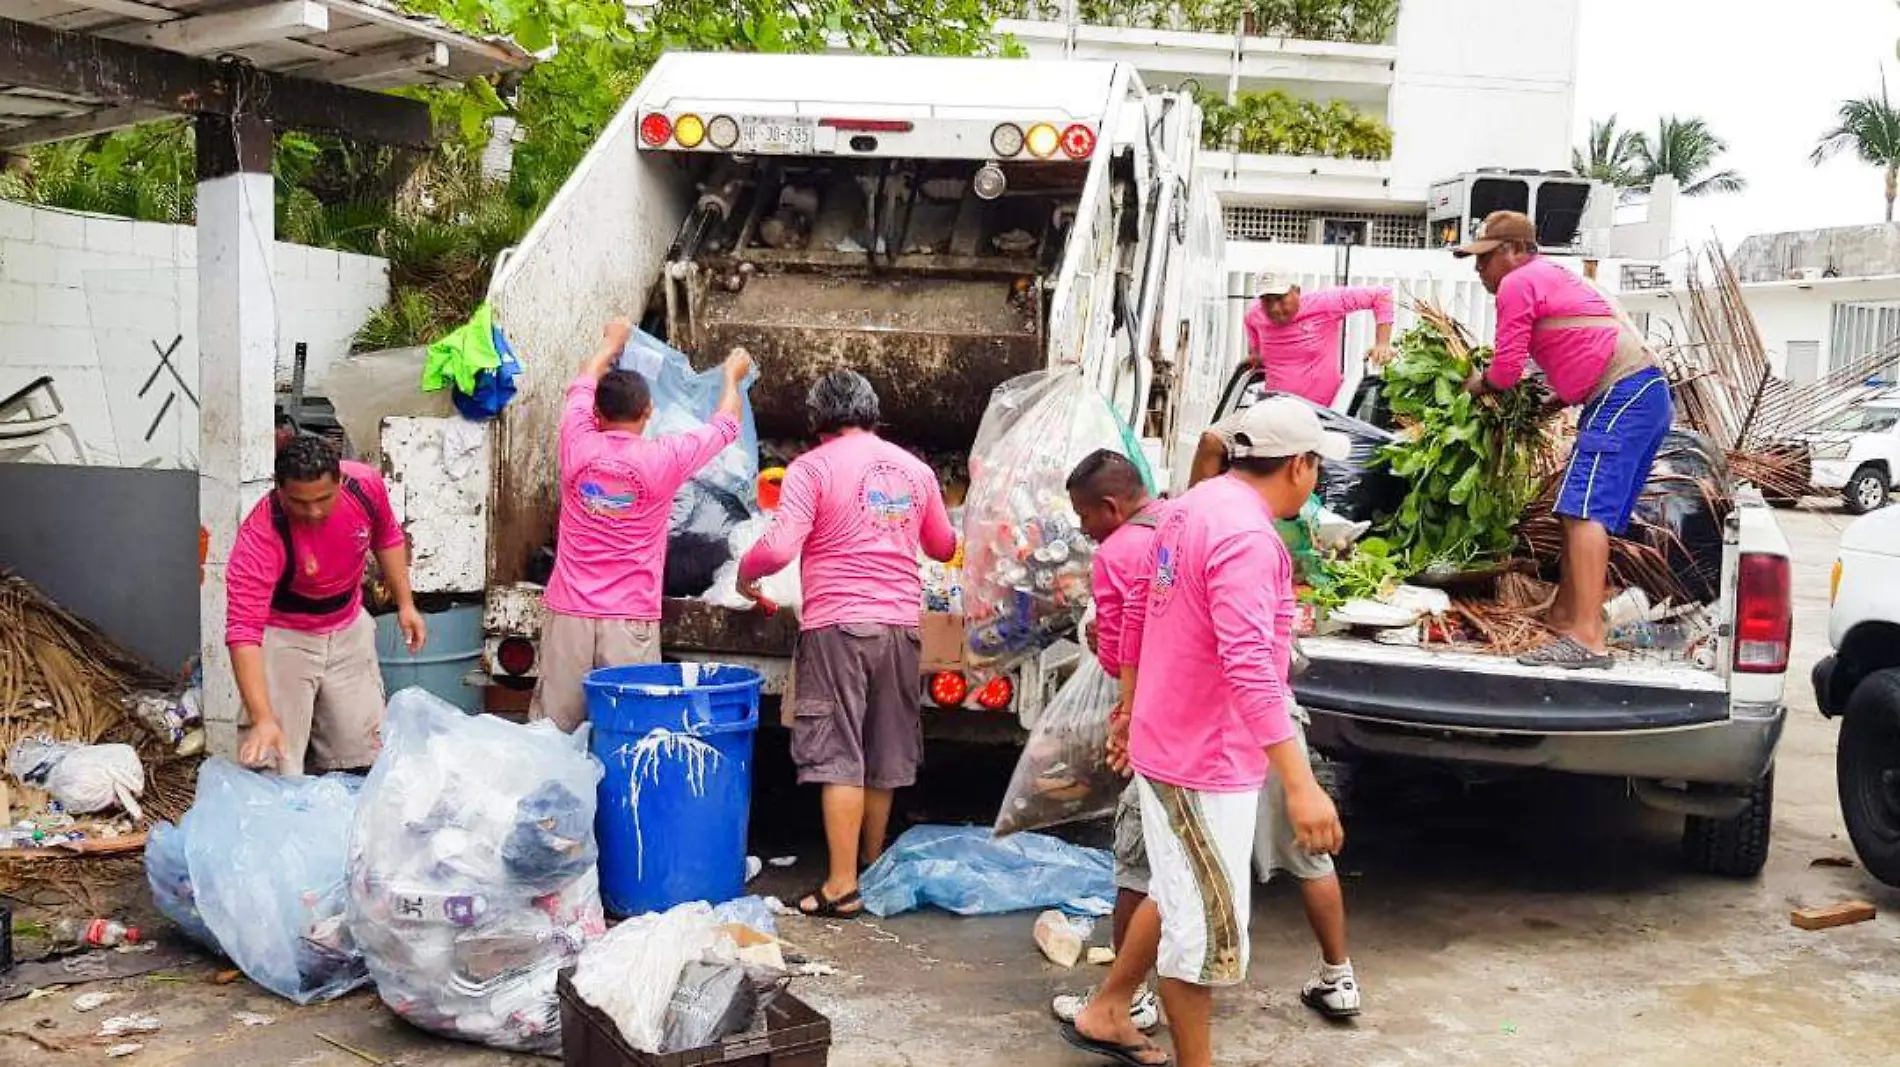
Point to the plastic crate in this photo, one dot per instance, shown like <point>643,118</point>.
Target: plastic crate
<point>795,1036</point>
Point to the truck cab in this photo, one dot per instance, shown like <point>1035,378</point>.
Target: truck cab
<point>1856,452</point>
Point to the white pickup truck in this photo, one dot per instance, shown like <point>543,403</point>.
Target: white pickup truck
<point>1860,683</point>
<point>1856,452</point>
<point>1695,738</point>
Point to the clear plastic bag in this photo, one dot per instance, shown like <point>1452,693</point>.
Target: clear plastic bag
<point>83,778</point>
<point>631,974</point>
<point>1026,563</point>
<point>963,870</point>
<point>1063,774</point>
<point>472,871</point>
<point>783,588</point>
<point>264,858</point>
<point>684,399</point>
<point>168,872</point>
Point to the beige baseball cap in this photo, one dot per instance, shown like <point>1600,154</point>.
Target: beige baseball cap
<point>1275,283</point>
<point>1280,426</point>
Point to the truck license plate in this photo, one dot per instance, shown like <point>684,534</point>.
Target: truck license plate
<point>778,136</point>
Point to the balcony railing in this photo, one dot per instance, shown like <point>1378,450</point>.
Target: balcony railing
<point>1353,21</point>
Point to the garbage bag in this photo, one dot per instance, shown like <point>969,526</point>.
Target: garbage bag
<point>631,973</point>
<point>963,870</point>
<point>684,399</point>
<point>472,871</point>
<point>264,868</point>
<point>1356,488</point>
<point>1063,774</point>
<point>784,589</point>
<point>1688,496</point>
<point>713,1000</point>
<point>83,778</point>
<point>1026,560</point>
<point>699,537</point>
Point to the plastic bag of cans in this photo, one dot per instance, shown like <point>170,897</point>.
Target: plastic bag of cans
<point>1026,559</point>
<point>472,871</point>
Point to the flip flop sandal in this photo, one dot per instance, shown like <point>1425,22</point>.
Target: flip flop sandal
<point>828,908</point>
<point>1566,653</point>
<point>1130,1055</point>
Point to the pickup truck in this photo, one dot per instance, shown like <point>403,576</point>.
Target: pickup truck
<point>1856,452</point>
<point>1860,684</point>
<point>1689,738</point>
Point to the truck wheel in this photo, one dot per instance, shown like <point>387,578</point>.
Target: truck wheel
<point>1867,771</point>
<point>1737,846</point>
<point>1866,490</point>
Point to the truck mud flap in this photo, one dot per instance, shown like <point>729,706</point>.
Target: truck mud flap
<point>1504,702</point>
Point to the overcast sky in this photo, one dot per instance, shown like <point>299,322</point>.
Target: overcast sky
<point>1767,77</point>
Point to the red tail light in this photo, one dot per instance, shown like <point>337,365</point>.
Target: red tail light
<point>948,689</point>
<point>655,129</point>
<point>1764,614</point>
<point>515,655</point>
<point>1078,142</point>
<point>995,694</point>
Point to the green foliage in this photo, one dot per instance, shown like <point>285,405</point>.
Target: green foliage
<point>147,173</point>
<point>1368,572</point>
<point>1278,123</point>
<point>1470,463</point>
<point>1686,149</point>
<point>1612,155</point>
<point>1869,127</point>
<point>1362,21</point>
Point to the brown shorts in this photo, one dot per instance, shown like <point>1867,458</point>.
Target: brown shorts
<point>571,646</point>
<point>327,691</point>
<point>856,719</point>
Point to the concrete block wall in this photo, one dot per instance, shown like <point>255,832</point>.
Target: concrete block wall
<point>107,309</point>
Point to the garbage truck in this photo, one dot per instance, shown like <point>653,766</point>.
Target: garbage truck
<point>939,225</point>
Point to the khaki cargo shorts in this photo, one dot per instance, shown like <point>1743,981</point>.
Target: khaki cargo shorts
<point>1275,847</point>
<point>571,646</point>
<point>856,716</point>
<point>327,691</point>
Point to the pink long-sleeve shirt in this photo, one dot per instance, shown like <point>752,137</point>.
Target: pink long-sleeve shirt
<point>330,559</point>
<point>854,511</point>
<point>1118,581</point>
<point>617,493</point>
<point>1573,357</point>
<point>1302,357</point>
<point>1217,644</point>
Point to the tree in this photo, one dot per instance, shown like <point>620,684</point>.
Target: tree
<point>1612,155</point>
<point>1686,149</point>
<point>1870,127</point>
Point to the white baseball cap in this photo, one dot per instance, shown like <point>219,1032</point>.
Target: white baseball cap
<point>1281,426</point>
<point>1275,284</point>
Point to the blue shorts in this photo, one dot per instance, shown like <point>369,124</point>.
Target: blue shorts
<point>1617,441</point>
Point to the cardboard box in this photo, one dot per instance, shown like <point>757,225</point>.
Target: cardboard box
<point>941,635</point>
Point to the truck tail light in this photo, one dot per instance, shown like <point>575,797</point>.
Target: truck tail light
<point>1078,142</point>
<point>722,131</point>
<point>655,129</point>
<point>1042,140</point>
<point>1007,139</point>
<point>948,689</point>
<point>1764,614</point>
<point>995,694</point>
<point>1834,584</point>
<point>515,655</point>
<point>689,131</point>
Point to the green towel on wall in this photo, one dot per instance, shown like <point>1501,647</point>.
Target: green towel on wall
<point>465,352</point>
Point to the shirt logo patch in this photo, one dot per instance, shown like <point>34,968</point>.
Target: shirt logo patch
<point>610,493</point>
<point>887,497</point>
<point>1167,560</point>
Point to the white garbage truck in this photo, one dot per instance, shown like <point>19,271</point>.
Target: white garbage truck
<point>939,225</point>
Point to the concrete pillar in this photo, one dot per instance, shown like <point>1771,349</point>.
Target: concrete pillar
<point>237,357</point>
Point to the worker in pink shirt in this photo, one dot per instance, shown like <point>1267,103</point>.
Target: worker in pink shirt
<point>1590,355</point>
<point>854,511</point>
<point>617,488</point>
<point>1295,336</point>
<point>1212,715</point>
<point>302,647</point>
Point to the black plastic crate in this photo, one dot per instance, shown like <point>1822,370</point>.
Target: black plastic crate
<point>795,1036</point>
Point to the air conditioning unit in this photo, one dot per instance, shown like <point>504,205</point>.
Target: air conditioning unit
<point>1555,201</point>
<point>1340,232</point>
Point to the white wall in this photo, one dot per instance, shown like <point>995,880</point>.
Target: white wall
<point>108,308</point>
<point>1481,83</point>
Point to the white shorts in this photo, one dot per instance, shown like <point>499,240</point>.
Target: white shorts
<point>1199,845</point>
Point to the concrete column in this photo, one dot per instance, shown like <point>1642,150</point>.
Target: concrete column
<point>237,356</point>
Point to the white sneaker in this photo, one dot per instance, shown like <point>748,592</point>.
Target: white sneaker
<point>1335,999</point>
<point>1144,1011</point>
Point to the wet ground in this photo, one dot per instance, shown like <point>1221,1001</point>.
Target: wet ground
<point>1540,920</point>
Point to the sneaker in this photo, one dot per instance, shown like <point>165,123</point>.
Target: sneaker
<point>1144,1011</point>
<point>1335,999</point>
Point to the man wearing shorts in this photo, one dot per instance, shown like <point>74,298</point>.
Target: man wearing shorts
<point>1334,991</point>
<point>854,511</point>
<point>1112,502</point>
<point>1591,355</point>
<point>617,489</point>
<point>1212,714</point>
<point>302,647</point>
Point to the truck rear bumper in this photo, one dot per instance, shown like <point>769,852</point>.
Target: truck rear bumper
<point>1734,750</point>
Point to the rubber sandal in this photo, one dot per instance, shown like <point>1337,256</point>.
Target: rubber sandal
<point>1130,1055</point>
<point>828,908</point>
<point>1566,653</point>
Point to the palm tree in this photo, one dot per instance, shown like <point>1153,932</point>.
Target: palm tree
<point>1686,150</point>
<point>1870,126</point>
<point>1612,153</point>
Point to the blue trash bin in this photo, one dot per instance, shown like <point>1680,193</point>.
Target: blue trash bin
<point>676,740</point>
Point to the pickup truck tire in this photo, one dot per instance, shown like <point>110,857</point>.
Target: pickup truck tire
<point>1867,490</point>
<point>1735,847</point>
<point>1867,772</point>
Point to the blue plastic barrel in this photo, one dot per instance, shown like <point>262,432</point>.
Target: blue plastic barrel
<point>676,739</point>
<point>454,648</point>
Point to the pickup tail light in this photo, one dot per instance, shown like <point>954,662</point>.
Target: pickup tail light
<point>1764,614</point>
<point>515,655</point>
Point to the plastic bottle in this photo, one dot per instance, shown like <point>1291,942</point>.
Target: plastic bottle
<point>98,933</point>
